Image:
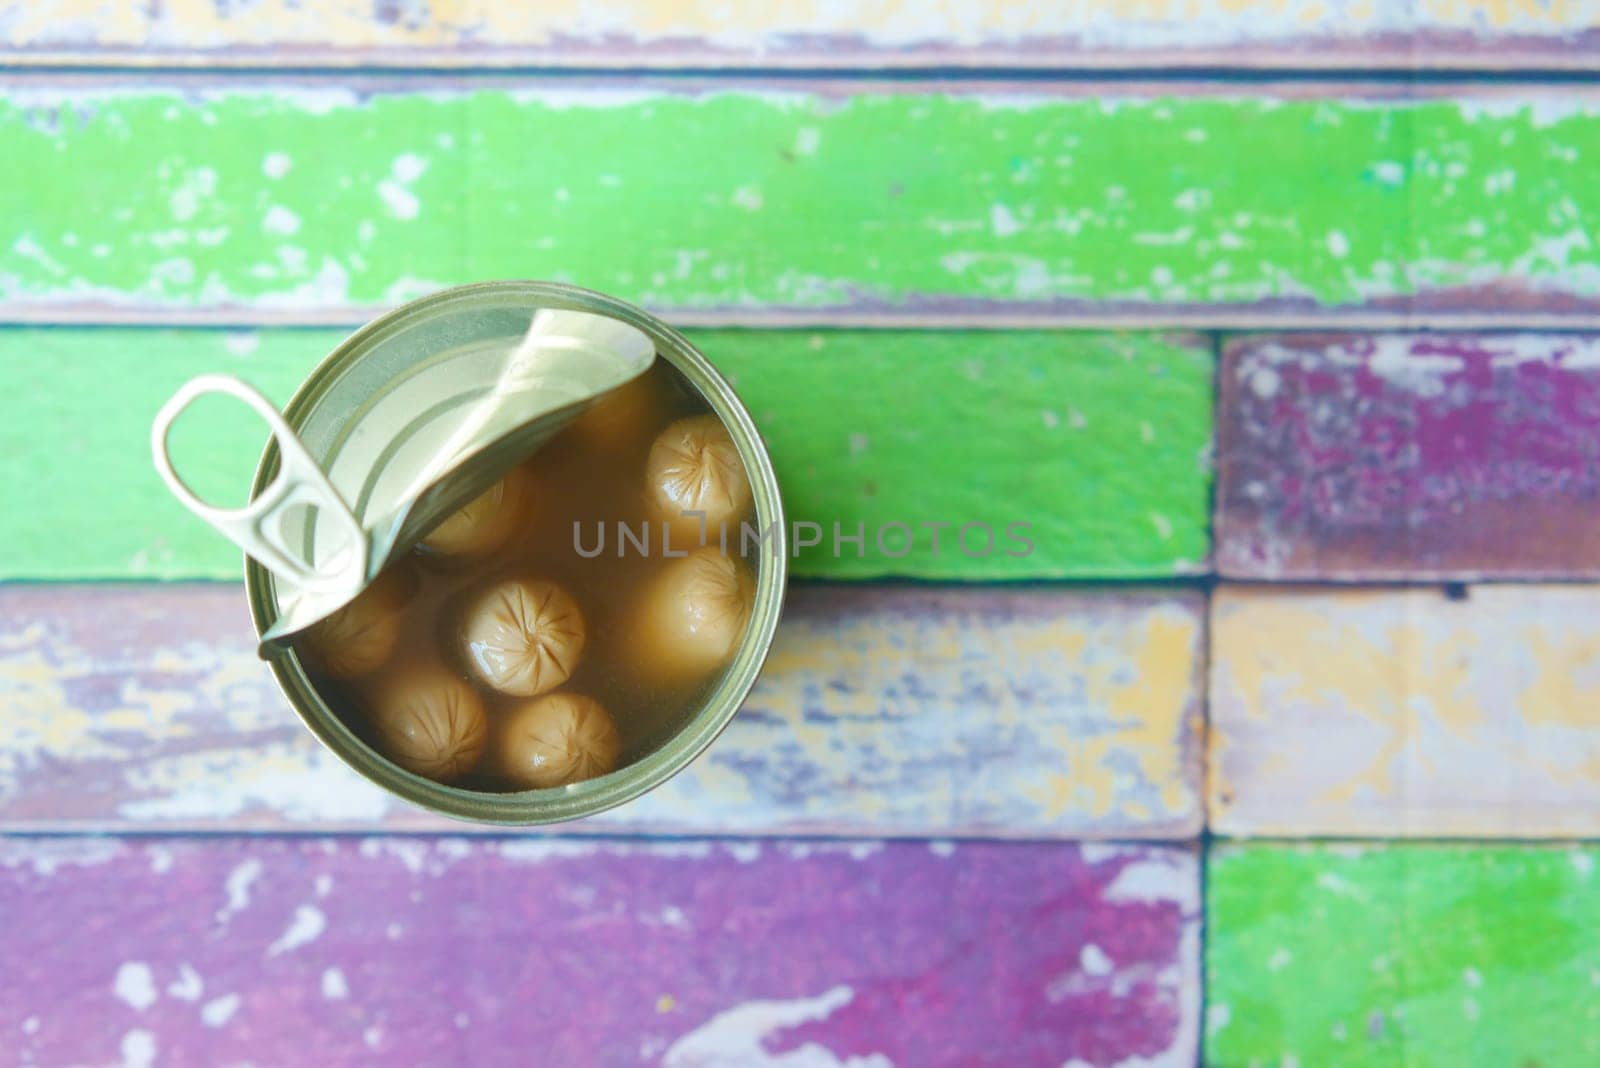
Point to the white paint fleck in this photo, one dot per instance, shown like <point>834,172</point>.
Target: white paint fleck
<point>29,249</point>
<point>372,1036</point>
<point>1389,172</point>
<point>334,987</point>
<point>1050,419</point>
<point>188,986</point>
<point>1161,238</point>
<point>1264,382</point>
<point>293,259</point>
<point>1218,1016</point>
<point>1470,1009</point>
<point>672,916</point>
<point>1093,960</point>
<point>1076,420</point>
<point>401,202</point>
<point>942,847</point>
<point>738,1037</point>
<point>1002,222</point>
<point>806,140</point>
<point>276,164</point>
<point>30,1026</point>
<point>1333,882</point>
<point>237,887</point>
<point>241,342</point>
<point>1162,524</point>
<point>323,885</point>
<point>135,985</point>
<point>453,848</point>
<point>744,852</point>
<point>218,1011</point>
<point>1421,373</point>
<point>1281,958</point>
<point>280,220</point>
<point>1338,244</point>
<point>408,167</point>
<point>411,853</point>
<point>1147,881</point>
<point>393,932</point>
<point>196,188</point>
<point>747,197</point>
<point>859,443</point>
<point>138,1049</point>
<point>1582,863</point>
<point>307,926</point>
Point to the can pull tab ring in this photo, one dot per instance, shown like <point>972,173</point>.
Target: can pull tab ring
<point>259,527</point>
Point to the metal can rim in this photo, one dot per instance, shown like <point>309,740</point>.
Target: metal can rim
<point>596,795</point>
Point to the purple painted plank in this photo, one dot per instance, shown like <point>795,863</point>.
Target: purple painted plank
<point>883,710</point>
<point>1429,456</point>
<point>571,952</point>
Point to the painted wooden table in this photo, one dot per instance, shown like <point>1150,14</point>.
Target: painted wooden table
<point>1280,747</point>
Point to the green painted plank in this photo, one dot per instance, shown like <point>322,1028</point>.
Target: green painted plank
<point>1097,440</point>
<point>1413,956</point>
<point>1127,202</point>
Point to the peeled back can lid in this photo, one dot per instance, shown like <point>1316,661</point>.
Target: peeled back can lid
<point>415,420</point>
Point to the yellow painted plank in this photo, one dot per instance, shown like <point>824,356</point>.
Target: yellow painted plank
<point>883,710</point>
<point>1410,713</point>
<point>808,33</point>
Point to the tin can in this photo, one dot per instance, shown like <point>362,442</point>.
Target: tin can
<point>483,309</point>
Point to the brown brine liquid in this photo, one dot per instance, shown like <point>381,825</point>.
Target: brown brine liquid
<point>431,666</point>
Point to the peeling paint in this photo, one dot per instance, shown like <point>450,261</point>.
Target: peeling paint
<point>705,958</point>
<point>1390,712</point>
<point>886,710</point>
<point>528,153</point>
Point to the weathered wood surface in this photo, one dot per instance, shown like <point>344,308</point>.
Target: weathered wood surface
<point>867,429</point>
<point>1402,955</point>
<point>1389,713</point>
<point>882,711</point>
<point>1448,456</point>
<point>830,201</point>
<point>1497,34</point>
<point>686,954</point>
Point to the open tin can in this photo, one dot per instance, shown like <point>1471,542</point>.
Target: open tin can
<point>373,366</point>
